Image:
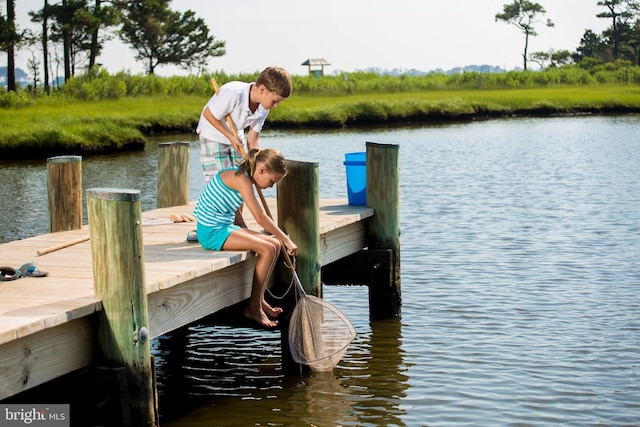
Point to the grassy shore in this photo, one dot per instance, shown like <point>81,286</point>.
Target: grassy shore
<point>426,106</point>
<point>56,125</point>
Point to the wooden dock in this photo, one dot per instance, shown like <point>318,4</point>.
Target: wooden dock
<point>46,324</point>
<point>132,276</point>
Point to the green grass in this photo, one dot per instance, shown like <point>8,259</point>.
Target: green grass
<point>54,126</point>
<point>337,111</point>
<point>61,125</point>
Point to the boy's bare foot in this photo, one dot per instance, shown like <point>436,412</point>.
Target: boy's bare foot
<point>271,311</point>
<point>260,316</point>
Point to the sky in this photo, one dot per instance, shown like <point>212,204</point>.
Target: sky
<point>356,35</point>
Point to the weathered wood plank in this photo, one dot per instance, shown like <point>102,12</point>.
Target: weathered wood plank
<point>339,243</point>
<point>188,302</point>
<point>45,355</point>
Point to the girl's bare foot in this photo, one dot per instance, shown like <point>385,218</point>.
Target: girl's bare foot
<point>271,311</point>
<point>260,316</point>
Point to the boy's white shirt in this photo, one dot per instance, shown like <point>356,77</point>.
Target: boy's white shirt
<point>233,100</point>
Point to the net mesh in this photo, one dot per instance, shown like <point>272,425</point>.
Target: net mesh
<point>319,333</point>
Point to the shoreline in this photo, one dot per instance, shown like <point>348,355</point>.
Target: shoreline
<point>104,127</point>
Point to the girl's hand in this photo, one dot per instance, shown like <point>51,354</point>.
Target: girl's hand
<point>292,248</point>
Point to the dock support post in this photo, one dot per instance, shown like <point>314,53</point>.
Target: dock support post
<point>383,228</point>
<point>173,174</point>
<point>64,184</point>
<point>299,217</point>
<point>117,251</point>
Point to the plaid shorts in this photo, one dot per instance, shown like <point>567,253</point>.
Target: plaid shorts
<point>215,157</point>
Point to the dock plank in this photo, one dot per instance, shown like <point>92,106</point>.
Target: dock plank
<point>45,355</point>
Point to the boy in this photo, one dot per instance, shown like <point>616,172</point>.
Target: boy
<point>248,104</point>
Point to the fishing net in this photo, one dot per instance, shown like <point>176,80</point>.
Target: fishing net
<point>319,333</point>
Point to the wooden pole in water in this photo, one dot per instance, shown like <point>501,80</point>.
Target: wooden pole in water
<point>115,226</point>
<point>383,228</point>
<point>64,185</point>
<point>299,217</point>
<point>173,174</point>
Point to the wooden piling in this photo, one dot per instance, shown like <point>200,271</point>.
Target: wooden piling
<point>173,174</point>
<point>117,251</point>
<point>64,185</point>
<point>383,229</point>
<point>298,207</point>
<point>299,217</point>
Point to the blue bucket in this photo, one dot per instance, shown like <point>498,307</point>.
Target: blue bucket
<point>356,164</point>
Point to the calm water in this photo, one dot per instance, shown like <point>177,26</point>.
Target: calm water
<point>520,278</point>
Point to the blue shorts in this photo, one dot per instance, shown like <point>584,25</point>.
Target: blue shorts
<point>212,238</point>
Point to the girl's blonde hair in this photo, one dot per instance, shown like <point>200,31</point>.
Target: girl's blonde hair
<point>273,160</point>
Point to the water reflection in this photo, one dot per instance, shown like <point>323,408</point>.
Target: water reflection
<point>321,399</point>
<point>346,396</point>
<point>233,376</point>
<point>376,376</point>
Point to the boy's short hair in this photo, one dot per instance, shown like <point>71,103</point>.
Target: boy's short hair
<point>276,80</point>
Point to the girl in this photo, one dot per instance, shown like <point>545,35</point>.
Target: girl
<point>216,209</point>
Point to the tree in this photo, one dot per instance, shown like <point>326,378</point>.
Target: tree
<point>620,12</point>
<point>33,65</point>
<point>9,38</point>
<point>142,28</point>
<point>551,59</point>
<point>5,32</point>
<point>523,14</point>
<point>76,25</point>
<point>626,36</point>
<point>60,17</point>
<point>161,36</point>
<point>93,52</point>
<point>592,46</point>
<point>86,44</point>
<point>42,17</point>
<point>634,42</point>
<point>541,58</point>
<point>100,17</point>
<point>187,42</point>
<point>45,50</point>
<point>65,14</point>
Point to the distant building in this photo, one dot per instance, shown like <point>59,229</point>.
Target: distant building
<point>313,64</point>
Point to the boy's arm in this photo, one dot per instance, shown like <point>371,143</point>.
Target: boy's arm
<point>252,139</point>
<point>235,142</point>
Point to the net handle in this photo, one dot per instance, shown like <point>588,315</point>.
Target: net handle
<point>232,126</point>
